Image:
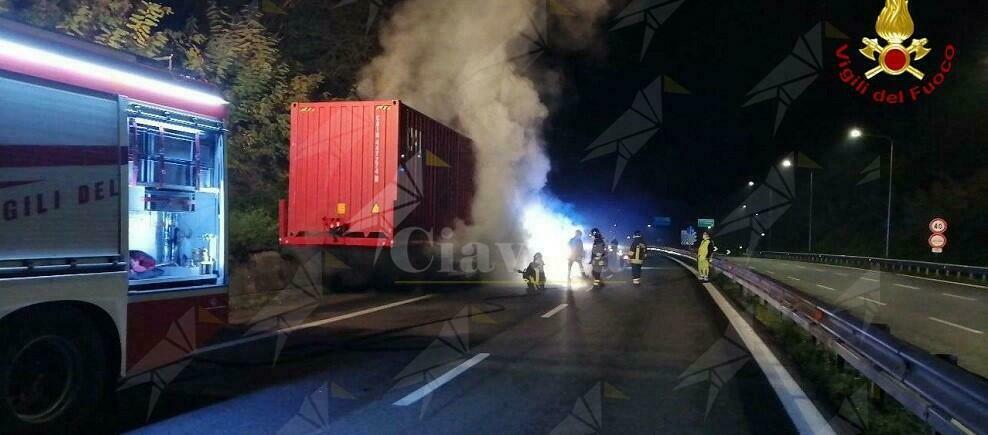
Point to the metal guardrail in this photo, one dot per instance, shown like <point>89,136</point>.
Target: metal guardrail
<point>890,264</point>
<point>948,398</point>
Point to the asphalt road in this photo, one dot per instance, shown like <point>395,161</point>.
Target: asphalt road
<point>938,316</point>
<point>656,359</point>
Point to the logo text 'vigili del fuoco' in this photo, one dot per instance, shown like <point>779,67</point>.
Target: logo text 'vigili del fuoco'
<point>895,58</point>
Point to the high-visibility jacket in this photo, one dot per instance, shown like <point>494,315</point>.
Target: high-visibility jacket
<point>637,252</point>
<point>706,249</point>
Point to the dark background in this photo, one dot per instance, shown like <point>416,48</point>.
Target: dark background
<point>710,146</point>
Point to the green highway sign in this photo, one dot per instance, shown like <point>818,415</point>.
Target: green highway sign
<point>705,223</point>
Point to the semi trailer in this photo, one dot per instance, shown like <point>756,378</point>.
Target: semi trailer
<point>373,176</point>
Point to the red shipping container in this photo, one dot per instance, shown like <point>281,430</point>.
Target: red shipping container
<point>362,171</point>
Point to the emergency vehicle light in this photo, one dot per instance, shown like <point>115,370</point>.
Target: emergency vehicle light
<point>82,67</point>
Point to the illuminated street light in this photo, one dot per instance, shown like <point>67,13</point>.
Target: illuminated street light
<point>744,205</point>
<point>787,163</point>
<point>751,184</point>
<point>856,133</point>
<point>763,234</point>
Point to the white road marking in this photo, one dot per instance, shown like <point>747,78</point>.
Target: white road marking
<point>960,297</point>
<point>947,282</point>
<point>803,413</point>
<point>872,301</point>
<point>769,271</point>
<point>825,287</point>
<point>424,390</point>
<point>907,286</point>
<point>269,334</point>
<point>554,311</point>
<point>793,278</point>
<point>973,331</point>
<point>817,269</point>
<point>869,279</point>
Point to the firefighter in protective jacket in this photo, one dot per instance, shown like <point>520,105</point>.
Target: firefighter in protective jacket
<point>704,254</point>
<point>534,274</point>
<point>598,257</point>
<point>636,256</point>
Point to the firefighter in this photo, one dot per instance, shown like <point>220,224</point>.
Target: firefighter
<point>636,256</point>
<point>576,255</point>
<point>535,274</point>
<point>704,254</point>
<point>598,257</point>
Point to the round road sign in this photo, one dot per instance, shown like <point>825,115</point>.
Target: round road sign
<point>938,226</point>
<point>938,240</point>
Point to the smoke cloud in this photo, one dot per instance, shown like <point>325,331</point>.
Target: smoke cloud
<point>467,63</point>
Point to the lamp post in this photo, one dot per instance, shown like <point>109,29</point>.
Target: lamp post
<point>856,133</point>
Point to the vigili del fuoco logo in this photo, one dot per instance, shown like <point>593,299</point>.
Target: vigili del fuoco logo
<point>904,62</point>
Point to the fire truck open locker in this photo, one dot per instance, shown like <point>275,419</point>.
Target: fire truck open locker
<point>112,228</point>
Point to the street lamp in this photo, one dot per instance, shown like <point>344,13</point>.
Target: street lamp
<point>751,184</point>
<point>856,133</point>
<point>787,163</point>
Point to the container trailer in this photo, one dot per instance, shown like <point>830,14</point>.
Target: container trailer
<point>373,174</point>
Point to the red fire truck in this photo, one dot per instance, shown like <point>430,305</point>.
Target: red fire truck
<point>366,176</point>
<point>112,238</point>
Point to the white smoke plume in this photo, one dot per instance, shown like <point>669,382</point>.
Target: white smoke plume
<point>459,62</point>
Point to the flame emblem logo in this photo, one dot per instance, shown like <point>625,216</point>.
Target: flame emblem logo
<point>895,25</point>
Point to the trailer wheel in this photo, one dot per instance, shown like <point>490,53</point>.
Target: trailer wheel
<point>52,372</point>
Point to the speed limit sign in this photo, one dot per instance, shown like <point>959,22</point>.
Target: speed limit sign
<point>937,242</point>
<point>938,226</point>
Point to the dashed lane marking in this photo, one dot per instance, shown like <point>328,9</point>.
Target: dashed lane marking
<point>869,279</point>
<point>554,311</point>
<point>960,297</point>
<point>793,278</point>
<point>825,287</point>
<point>961,327</point>
<point>424,390</point>
<point>907,286</point>
<point>872,301</point>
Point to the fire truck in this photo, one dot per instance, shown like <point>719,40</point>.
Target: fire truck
<point>112,238</point>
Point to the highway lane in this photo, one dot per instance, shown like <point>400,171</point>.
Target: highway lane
<point>938,316</point>
<point>656,359</point>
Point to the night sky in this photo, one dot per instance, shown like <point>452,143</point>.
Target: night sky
<point>709,146</point>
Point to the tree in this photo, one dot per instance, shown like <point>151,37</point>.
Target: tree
<point>121,24</point>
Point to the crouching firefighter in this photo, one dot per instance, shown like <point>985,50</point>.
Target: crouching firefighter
<point>598,257</point>
<point>636,256</point>
<point>535,274</point>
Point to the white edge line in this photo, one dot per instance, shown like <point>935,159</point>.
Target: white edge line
<point>424,390</point>
<point>804,415</point>
<point>971,330</point>
<point>946,282</point>
<point>907,286</point>
<point>554,311</point>
<point>269,334</point>
<point>960,297</point>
